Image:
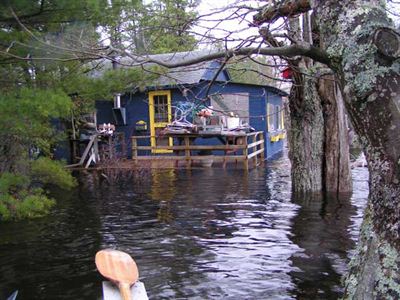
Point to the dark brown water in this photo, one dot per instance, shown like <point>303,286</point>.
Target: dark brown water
<point>199,234</point>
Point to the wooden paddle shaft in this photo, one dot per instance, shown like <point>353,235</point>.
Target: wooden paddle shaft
<point>125,290</point>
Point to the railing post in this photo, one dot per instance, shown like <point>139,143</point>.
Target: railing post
<point>134,148</point>
<point>262,154</point>
<point>96,148</point>
<point>246,154</point>
<point>110,147</point>
<point>187,152</point>
<point>225,152</point>
<point>255,148</point>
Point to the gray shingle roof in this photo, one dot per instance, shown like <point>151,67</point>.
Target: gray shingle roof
<point>177,76</point>
<point>182,75</point>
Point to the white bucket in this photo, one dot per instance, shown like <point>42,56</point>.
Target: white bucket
<point>232,122</point>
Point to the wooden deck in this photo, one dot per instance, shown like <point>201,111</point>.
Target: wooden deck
<point>240,150</point>
<point>245,149</point>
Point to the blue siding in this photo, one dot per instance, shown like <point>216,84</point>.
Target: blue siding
<point>137,109</point>
<point>273,148</point>
<point>104,112</point>
<point>62,149</point>
<point>214,67</point>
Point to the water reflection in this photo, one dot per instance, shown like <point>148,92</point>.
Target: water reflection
<point>320,229</point>
<point>195,234</point>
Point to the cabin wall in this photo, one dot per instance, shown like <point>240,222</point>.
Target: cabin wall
<point>137,110</point>
<point>62,149</point>
<point>212,69</point>
<point>259,97</point>
<point>273,147</point>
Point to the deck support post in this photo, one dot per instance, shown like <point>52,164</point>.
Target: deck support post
<point>254,139</point>
<point>187,152</point>
<point>262,146</point>
<point>134,149</point>
<point>246,154</point>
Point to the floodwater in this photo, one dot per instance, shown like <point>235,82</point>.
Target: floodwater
<point>195,234</point>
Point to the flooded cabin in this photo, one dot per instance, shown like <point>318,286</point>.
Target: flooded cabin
<point>201,233</point>
<point>198,114</point>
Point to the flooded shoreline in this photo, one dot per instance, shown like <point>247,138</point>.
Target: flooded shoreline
<point>195,234</point>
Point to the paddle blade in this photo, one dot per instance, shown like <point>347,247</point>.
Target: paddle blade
<point>117,266</point>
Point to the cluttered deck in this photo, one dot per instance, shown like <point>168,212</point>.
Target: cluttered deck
<point>207,141</point>
<point>242,148</point>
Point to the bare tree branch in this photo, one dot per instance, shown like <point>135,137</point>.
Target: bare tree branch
<point>285,8</point>
<point>288,51</point>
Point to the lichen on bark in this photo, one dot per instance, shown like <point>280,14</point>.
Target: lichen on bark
<point>374,269</point>
<point>306,136</point>
<point>370,91</point>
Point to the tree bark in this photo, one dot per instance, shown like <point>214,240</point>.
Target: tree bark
<point>318,138</point>
<point>306,135</point>
<point>369,79</point>
<point>336,161</point>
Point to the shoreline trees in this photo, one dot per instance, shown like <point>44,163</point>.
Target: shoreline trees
<point>358,42</point>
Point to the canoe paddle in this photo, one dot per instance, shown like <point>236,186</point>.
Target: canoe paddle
<point>120,268</point>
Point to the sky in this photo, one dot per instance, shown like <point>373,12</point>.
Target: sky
<point>226,25</point>
<point>241,29</point>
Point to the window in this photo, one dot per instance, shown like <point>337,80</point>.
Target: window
<point>271,117</point>
<point>275,117</point>
<point>237,103</point>
<point>160,108</point>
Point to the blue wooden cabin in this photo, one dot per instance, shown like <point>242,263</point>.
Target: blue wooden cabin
<point>139,113</point>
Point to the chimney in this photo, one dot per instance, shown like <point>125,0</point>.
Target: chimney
<point>117,100</point>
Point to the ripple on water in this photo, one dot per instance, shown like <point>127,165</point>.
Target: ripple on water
<point>195,234</point>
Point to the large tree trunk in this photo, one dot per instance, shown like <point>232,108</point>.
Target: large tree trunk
<point>336,164</point>
<point>318,137</point>
<point>306,135</point>
<point>365,56</point>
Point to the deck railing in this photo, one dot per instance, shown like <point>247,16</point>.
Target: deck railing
<point>250,148</point>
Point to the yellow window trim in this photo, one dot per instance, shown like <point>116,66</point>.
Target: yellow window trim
<point>153,124</point>
<point>275,137</point>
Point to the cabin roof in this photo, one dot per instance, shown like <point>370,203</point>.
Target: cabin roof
<point>186,75</point>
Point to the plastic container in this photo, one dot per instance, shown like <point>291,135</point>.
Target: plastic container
<point>232,122</point>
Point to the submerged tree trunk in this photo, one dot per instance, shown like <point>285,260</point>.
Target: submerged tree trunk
<point>362,47</point>
<point>336,160</point>
<point>306,135</point>
<point>365,54</point>
<point>318,138</point>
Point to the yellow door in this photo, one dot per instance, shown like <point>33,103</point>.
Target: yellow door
<point>160,116</point>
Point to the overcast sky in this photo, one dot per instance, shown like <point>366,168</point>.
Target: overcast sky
<point>240,28</point>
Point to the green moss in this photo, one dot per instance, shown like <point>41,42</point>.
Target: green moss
<point>388,276</point>
<point>351,280</point>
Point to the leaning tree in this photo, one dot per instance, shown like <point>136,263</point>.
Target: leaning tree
<point>362,47</point>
